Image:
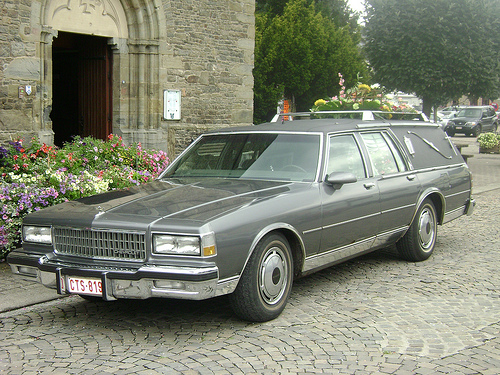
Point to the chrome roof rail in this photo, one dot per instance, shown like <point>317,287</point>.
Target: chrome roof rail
<point>366,115</point>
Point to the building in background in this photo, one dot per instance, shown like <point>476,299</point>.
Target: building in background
<point>153,71</point>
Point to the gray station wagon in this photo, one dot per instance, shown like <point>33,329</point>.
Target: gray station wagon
<point>244,211</point>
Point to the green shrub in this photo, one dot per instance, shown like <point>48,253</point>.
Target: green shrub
<point>488,140</point>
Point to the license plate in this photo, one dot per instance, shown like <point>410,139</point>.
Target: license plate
<point>458,128</point>
<point>84,285</point>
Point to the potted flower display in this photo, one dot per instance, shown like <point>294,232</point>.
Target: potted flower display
<point>360,97</point>
<point>489,143</point>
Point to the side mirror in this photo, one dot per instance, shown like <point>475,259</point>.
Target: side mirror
<point>337,179</point>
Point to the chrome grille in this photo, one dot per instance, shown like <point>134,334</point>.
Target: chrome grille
<point>101,244</point>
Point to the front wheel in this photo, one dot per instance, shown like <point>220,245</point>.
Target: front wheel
<point>418,242</point>
<point>478,130</point>
<point>266,281</point>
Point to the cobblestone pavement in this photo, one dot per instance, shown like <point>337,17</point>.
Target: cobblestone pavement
<point>372,315</point>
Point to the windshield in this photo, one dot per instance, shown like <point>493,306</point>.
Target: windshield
<point>269,156</point>
<point>470,112</point>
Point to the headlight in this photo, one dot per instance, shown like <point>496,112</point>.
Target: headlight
<point>176,245</point>
<point>37,234</point>
<point>470,123</point>
<point>169,244</point>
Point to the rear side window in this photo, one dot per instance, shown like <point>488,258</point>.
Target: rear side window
<point>384,155</point>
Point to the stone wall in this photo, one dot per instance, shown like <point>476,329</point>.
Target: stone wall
<point>19,67</point>
<point>211,62</point>
<point>202,48</point>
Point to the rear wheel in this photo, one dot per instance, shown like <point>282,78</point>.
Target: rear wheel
<point>266,282</point>
<point>418,242</point>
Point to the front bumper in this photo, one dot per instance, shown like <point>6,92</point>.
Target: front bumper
<point>140,282</point>
<point>461,129</point>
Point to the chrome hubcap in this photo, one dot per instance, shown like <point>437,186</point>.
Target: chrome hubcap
<point>273,275</point>
<point>427,229</point>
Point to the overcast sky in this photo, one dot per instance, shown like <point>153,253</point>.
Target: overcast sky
<point>357,5</point>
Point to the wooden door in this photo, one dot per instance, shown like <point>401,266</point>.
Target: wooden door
<point>94,81</point>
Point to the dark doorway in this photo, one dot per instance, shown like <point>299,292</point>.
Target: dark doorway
<point>81,87</point>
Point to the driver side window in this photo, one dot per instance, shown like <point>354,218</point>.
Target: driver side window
<point>345,156</point>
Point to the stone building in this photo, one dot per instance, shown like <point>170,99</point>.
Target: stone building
<point>153,71</point>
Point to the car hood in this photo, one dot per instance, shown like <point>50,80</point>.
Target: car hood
<point>141,205</point>
<point>464,119</point>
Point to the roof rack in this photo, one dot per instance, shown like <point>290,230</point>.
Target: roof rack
<point>365,115</point>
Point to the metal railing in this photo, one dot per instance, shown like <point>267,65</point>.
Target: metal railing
<point>363,114</point>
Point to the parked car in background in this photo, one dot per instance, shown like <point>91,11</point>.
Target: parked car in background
<point>442,120</point>
<point>472,121</point>
<point>245,211</point>
<point>447,111</point>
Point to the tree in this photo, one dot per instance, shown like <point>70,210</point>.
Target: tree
<point>339,12</point>
<point>336,10</point>
<point>438,49</point>
<point>299,54</point>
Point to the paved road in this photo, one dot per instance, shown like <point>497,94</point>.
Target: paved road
<point>375,314</point>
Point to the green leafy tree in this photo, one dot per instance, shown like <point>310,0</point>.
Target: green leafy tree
<point>339,12</point>
<point>299,54</point>
<point>438,49</point>
<point>336,10</point>
<point>272,7</point>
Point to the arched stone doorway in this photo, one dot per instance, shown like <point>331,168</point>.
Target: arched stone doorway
<point>124,34</point>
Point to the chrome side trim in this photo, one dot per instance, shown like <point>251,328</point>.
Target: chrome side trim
<point>450,166</point>
<point>466,209</point>
<point>351,220</point>
<point>334,256</point>
<point>312,230</point>
<point>390,236</point>
<point>468,192</point>
<point>452,215</point>
<point>399,208</point>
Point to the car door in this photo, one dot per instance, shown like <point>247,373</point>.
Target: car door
<point>351,212</point>
<point>399,187</point>
<point>489,119</point>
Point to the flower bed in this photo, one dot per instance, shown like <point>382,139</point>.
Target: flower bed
<point>38,176</point>
<point>489,143</point>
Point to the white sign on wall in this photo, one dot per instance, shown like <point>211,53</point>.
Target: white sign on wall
<point>172,104</point>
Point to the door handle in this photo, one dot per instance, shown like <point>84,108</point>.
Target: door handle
<point>369,185</point>
<point>410,177</point>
